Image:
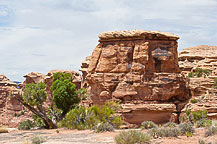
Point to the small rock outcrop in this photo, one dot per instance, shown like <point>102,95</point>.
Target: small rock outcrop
<point>204,57</point>
<point>33,77</point>
<point>9,105</point>
<point>140,69</point>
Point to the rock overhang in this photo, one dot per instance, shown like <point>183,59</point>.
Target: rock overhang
<point>136,35</point>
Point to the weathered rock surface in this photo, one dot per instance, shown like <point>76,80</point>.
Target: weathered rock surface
<point>204,57</point>
<point>34,77</point>
<point>9,105</point>
<point>137,67</point>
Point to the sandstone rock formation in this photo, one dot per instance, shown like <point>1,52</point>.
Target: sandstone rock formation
<point>9,105</point>
<point>139,68</point>
<point>205,57</point>
<point>33,77</point>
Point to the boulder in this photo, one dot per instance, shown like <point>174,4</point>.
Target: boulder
<point>137,67</point>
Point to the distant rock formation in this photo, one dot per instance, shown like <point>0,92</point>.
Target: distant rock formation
<point>9,105</point>
<point>205,57</point>
<point>140,69</point>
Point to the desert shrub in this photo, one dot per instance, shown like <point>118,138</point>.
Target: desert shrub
<point>165,132</point>
<point>148,125</point>
<point>25,125</point>
<point>211,131</point>
<point>38,121</point>
<point>194,101</point>
<point>199,72</point>
<point>214,123</point>
<point>200,141</point>
<point>79,118</point>
<point>186,127</point>
<point>37,139</point>
<point>203,123</point>
<point>3,130</point>
<point>215,83</point>
<point>170,125</point>
<point>88,118</point>
<point>195,116</point>
<point>132,137</point>
<point>102,127</point>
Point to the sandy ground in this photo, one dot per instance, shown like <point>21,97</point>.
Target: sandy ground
<point>89,137</point>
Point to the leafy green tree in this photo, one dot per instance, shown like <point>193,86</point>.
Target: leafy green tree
<point>33,97</point>
<point>65,95</point>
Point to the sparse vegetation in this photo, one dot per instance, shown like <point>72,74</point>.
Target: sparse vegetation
<point>203,123</point>
<point>186,128</point>
<point>37,139</point>
<point>132,137</point>
<point>194,116</point>
<point>201,141</point>
<point>25,125</point>
<point>170,125</point>
<point>165,132</point>
<point>148,125</point>
<point>194,101</point>
<point>102,127</point>
<point>215,83</point>
<point>199,72</point>
<point>211,131</point>
<point>89,118</point>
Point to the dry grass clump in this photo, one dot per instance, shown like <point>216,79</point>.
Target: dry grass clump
<point>3,130</point>
<point>132,137</point>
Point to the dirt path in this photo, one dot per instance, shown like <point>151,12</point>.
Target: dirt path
<point>89,137</point>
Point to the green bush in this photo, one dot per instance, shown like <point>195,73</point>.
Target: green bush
<point>25,125</point>
<point>170,125</point>
<point>165,132</point>
<point>102,127</point>
<point>148,125</point>
<point>88,118</point>
<point>37,139</point>
<point>211,131</point>
<point>38,121</point>
<point>203,123</point>
<point>3,130</point>
<point>195,116</point>
<point>194,101</point>
<point>132,137</point>
<point>200,141</point>
<point>215,83</point>
<point>186,127</point>
<point>199,72</point>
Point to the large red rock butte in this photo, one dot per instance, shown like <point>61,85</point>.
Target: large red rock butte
<point>140,69</point>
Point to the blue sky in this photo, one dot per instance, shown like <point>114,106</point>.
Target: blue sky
<point>41,35</point>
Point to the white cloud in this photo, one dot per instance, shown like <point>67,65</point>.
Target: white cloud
<point>50,34</point>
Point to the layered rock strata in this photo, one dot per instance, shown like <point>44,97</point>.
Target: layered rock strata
<point>141,68</point>
<point>9,105</point>
<point>205,57</point>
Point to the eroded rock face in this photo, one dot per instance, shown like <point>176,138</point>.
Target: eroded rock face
<point>9,105</point>
<point>204,57</point>
<point>34,77</point>
<point>137,67</point>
